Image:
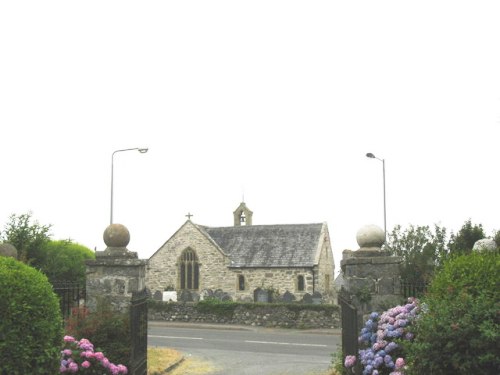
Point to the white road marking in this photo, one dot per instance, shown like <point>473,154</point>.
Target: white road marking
<point>283,343</point>
<point>176,337</point>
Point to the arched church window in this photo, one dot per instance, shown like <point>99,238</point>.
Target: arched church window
<point>300,283</point>
<point>241,282</point>
<point>189,270</point>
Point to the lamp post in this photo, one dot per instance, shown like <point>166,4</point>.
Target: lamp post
<point>142,151</point>
<point>370,155</point>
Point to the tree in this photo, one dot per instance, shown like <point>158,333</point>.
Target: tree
<point>27,236</point>
<point>464,240</point>
<point>421,248</point>
<point>64,260</point>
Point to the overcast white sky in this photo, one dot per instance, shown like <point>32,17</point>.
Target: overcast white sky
<point>276,100</point>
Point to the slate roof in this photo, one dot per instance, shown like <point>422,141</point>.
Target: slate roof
<point>292,245</point>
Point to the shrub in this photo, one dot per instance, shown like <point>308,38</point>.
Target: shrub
<point>65,260</point>
<point>31,323</point>
<point>105,328</point>
<point>79,356</point>
<point>383,339</point>
<point>217,307</point>
<point>459,331</point>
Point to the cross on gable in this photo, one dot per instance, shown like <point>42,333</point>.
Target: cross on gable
<point>189,216</point>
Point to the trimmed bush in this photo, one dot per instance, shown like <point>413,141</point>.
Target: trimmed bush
<point>459,329</point>
<point>108,330</point>
<point>30,324</point>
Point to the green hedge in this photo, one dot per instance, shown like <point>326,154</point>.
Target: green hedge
<point>459,329</point>
<point>30,321</point>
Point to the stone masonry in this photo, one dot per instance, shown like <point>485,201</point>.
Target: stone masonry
<point>216,273</point>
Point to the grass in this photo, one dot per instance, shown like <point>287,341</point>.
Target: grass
<point>161,358</point>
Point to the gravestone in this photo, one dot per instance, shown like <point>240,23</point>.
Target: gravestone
<point>170,296</point>
<point>317,297</point>
<point>221,295</point>
<point>206,293</point>
<point>307,298</point>
<point>157,296</point>
<point>261,295</point>
<point>288,297</point>
<point>185,296</point>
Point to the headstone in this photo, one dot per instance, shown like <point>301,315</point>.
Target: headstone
<point>185,296</point>
<point>170,296</point>
<point>221,295</point>
<point>206,293</point>
<point>261,295</point>
<point>307,298</point>
<point>157,296</point>
<point>317,298</point>
<point>288,297</point>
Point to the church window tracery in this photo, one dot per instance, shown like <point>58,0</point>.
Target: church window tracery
<point>189,270</point>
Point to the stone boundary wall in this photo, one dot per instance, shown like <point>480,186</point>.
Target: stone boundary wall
<point>280,316</point>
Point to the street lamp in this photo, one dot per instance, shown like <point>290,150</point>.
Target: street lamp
<point>142,151</point>
<point>370,155</point>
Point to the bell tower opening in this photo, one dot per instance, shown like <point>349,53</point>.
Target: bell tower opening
<point>242,215</point>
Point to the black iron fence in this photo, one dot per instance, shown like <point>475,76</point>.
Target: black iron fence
<point>139,332</point>
<point>412,289</point>
<point>349,321</point>
<point>70,295</point>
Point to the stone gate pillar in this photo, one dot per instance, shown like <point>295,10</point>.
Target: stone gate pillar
<point>371,277</point>
<point>116,273</point>
<point>117,277</point>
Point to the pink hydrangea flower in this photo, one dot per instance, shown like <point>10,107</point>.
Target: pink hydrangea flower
<point>73,367</point>
<point>105,362</point>
<point>69,339</point>
<point>99,356</point>
<point>400,362</point>
<point>85,364</point>
<point>350,360</point>
<point>86,344</point>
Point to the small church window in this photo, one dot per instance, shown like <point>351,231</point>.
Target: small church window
<point>241,282</point>
<point>189,270</point>
<point>300,283</point>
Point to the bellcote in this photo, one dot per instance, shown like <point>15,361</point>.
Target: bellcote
<point>242,215</point>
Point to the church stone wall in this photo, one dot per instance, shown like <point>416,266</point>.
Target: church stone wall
<point>326,272</point>
<point>215,272</point>
<point>163,270</point>
<point>279,280</point>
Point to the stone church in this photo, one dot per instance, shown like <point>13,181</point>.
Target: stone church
<point>292,260</point>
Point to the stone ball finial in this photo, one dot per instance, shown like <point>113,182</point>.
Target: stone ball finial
<point>8,250</point>
<point>370,237</point>
<point>116,235</point>
<point>485,244</point>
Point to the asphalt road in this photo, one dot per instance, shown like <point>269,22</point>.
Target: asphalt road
<point>249,350</point>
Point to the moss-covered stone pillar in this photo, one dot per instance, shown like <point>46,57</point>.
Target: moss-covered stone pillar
<point>371,276</point>
<point>116,272</point>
